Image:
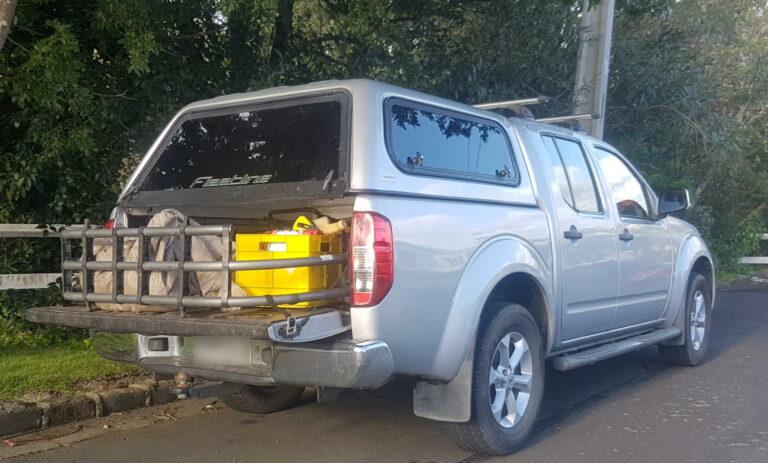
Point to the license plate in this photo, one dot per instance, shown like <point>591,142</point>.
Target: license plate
<point>224,350</point>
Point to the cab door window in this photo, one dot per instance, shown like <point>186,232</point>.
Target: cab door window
<point>577,184</point>
<point>626,188</point>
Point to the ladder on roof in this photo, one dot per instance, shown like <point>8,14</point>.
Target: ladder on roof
<point>519,108</point>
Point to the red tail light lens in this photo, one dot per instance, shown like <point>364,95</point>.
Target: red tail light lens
<point>372,258</point>
<point>110,224</point>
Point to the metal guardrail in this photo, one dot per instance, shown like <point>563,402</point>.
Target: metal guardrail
<point>26,230</point>
<point>758,260</point>
<point>85,265</point>
<point>29,280</point>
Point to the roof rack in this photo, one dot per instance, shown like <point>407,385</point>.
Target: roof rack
<point>519,108</point>
<point>513,103</point>
<point>575,117</point>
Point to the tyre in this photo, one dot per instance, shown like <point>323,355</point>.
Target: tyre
<point>698,326</point>
<point>507,382</point>
<point>262,399</point>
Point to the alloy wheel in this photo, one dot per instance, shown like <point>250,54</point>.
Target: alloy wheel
<point>511,379</point>
<point>698,320</point>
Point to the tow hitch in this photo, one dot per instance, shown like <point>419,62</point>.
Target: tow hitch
<point>187,386</point>
<point>183,384</point>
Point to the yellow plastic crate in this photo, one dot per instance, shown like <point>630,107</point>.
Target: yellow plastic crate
<point>290,280</point>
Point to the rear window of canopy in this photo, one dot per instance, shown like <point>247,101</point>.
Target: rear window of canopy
<point>230,148</point>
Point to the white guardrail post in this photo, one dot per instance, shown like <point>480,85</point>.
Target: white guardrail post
<point>28,280</point>
<point>756,259</point>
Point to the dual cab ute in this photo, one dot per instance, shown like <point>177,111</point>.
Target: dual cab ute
<point>431,239</point>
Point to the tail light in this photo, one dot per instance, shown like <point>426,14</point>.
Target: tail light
<point>372,258</point>
<point>117,219</point>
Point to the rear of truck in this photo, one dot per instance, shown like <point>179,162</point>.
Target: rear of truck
<point>234,252</point>
<point>419,210</point>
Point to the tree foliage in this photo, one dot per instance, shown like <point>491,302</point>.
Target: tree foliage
<point>86,85</point>
<point>688,103</point>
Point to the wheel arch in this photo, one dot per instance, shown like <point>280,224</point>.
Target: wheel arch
<point>491,272</point>
<point>523,289</point>
<point>703,266</point>
<point>508,269</point>
<point>693,256</point>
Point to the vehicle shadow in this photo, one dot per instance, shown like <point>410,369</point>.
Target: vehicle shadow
<point>379,425</point>
<point>570,393</point>
<point>733,319</point>
<point>383,419</point>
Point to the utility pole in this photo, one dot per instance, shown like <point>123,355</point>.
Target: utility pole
<point>593,62</point>
<point>7,7</point>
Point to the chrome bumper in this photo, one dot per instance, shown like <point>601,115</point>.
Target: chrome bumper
<point>341,363</point>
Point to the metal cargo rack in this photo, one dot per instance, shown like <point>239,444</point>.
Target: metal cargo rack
<point>86,265</point>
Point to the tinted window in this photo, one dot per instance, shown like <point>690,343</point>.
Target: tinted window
<point>429,141</point>
<point>626,188</point>
<point>573,174</point>
<point>275,145</point>
<point>562,180</point>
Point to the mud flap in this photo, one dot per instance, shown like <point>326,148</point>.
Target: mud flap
<point>451,401</point>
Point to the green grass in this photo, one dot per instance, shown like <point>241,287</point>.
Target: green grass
<point>51,368</point>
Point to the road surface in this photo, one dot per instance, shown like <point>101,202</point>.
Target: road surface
<point>628,409</point>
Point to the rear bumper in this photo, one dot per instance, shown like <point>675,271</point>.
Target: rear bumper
<point>339,363</point>
<point>342,364</point>
<point>322,355</point>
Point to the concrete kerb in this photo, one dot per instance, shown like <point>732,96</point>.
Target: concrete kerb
<point>28,414</point>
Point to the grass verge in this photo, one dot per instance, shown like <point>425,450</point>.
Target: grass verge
<point>53,368</point>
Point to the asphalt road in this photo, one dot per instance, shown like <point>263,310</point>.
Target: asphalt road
<point>628,409</point>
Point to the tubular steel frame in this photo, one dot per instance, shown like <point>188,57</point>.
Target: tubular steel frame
<point>86,265</point>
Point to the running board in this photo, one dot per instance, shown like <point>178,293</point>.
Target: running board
<point>613,349</point>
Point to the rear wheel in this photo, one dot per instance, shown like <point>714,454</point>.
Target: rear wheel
<point>507,383</point>
<point>698,325</point>
<point>262,399</point>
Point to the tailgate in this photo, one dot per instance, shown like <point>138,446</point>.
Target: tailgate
<point>257,324</point>
<point>256,317</point>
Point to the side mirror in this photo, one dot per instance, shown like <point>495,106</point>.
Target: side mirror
<point>673,200</point>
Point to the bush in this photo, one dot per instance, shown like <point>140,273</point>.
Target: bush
<point>744,242</point>
<point>31,256</point>
<point>16,332</point>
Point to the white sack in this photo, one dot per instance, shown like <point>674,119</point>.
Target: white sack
<point>162,249</point>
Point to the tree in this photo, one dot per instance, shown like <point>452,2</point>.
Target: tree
<point>688,104</point>
<point>86,85</point>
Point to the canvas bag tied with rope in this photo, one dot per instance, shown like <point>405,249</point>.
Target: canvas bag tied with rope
<point>163,249</point>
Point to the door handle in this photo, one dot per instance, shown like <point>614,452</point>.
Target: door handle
<point>572,233</point>
<point>626,235</point>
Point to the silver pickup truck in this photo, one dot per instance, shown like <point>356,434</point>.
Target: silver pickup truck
<point>479,247</point>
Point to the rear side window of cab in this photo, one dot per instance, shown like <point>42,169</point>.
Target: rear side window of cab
<point>432,141</point>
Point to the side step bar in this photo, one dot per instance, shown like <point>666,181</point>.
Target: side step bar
<point>613,349</point>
